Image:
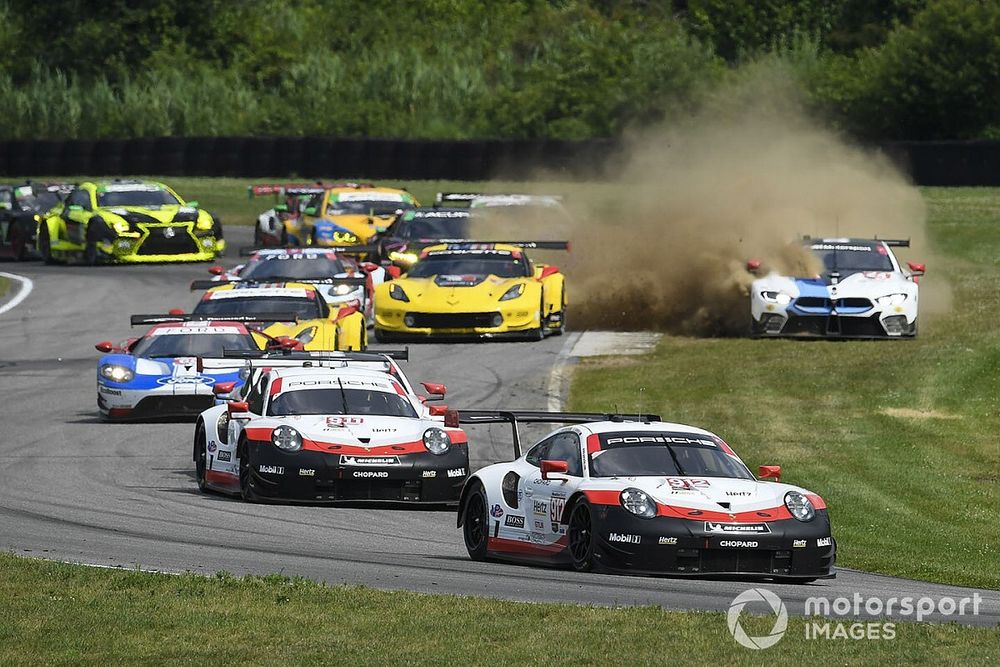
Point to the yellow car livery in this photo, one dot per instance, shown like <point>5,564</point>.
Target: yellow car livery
<point>317,326</point>
<point>477,289</point>
<point>128,221</point>
<point>353,215</point>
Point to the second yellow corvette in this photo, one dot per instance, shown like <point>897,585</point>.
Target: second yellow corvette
<point>488,290</point>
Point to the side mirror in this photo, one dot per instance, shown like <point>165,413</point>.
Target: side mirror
<point>753,266</point>
<point>394,271</point>
<point>223,388</point>
<point>175,311</point>
<point>105,346</point>
<point>438,410</point>
<point>770,472</point>
<point>554,468</point>
<point>309,210</point>
<point>434,388</point>
<point>917,268</point>
<point>451,419</point>
<point>239,410</point>
<point>193,204</point>
<point>548,271</point>
<point>216,270</point>
<point>281,207</point>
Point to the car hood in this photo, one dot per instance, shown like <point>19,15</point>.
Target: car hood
<point>365,431</point>
<point>707,494</point>
<point>157,215</point>
<point>868,284</point>
<point>456,289</point>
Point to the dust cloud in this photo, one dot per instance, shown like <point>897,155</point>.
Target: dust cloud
<point>665,245</point>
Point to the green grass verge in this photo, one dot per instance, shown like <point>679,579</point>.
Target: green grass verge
<point>56,613</point>
<point>899,437</point>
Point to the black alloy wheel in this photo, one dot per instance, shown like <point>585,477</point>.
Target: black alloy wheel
<point>246,468</point>
<point>581,538</point>
<point>476,523</point>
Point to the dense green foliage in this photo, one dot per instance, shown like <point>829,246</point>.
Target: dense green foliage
<point>462,68</point>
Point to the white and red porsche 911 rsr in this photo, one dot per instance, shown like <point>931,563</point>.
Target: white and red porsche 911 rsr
<point>329,428</point>
<point>641,496</point>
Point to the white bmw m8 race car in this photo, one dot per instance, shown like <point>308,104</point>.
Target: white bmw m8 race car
<point>861,292</point>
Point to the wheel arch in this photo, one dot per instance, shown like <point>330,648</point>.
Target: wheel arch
<point>470,483</point>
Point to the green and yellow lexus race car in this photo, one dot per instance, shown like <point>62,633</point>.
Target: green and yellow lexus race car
<point>128,221</point>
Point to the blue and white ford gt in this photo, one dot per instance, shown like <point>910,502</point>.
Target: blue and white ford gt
<point>171,372</point>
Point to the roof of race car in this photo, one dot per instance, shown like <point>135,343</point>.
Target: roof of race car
<point>436,212</point>
<point>291,379</point>
<point>370,194</point>
<point>261,291</point>
<point>200,327</point>
<point>126,186</point>
<point>472,249</point>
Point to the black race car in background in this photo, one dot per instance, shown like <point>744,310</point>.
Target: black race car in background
<point>22,207</point>
<point>418,228</point>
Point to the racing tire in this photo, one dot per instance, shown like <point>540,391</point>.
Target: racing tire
<point>90,255</point>
<point>581,538</point>
<point>364,336</point>
<point>201,457</point>
<point>18,244</point>
<point>45,244</point>
<point>246,473</point>
<point>539,333</point>
<point>558,331</point>
<point>283,241</point>
<point>476,522</point>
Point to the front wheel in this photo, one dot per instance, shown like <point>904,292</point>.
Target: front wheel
<point>476,523</point>
<point>90,254</point>
<point>581,538</point>
<point>246,468</point>
<point>201,458</point>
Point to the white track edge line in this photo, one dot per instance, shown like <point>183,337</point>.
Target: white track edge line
<point>558,372</point>
<point>26,286</point>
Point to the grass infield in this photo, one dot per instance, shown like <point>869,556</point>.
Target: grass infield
<point>899,437</point>
<point>56,613</point>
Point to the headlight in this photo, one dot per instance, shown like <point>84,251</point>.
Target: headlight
<point>776,297</point>
<point>513,292</point>
<point>406,258</point>
<point>799,506</point>
<point>204,224</point>
<point>638,503</point>
<point>436,441</point>
<point>345,238</point>
<point>121,226</point>
<point>891,299</point>
<point>306,335</point>
<point>286,438</point>
<point>397,293</point>
<point>341,290</point>
<point>117,373</point>
<point>222,426</point>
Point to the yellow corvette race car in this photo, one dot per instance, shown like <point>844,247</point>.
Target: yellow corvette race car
<point>317,327</point>
<point>128,221</point>
<point>488,290</point>
<point>352,215</point>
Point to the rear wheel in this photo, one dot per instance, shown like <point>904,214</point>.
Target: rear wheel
<point>475,522</point>
<point>201,457</point>
<point>581,538</point>
<point>45,244</point>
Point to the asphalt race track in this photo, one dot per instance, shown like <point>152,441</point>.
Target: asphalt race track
<point>74,488</point>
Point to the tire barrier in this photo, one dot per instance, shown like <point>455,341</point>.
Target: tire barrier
<point>928,162</point>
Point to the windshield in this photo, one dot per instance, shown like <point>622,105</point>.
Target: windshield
<point>306,309</point>
<point>493,264</point>
<point>192,345</point>
<point>41,201</point>
<point>366,207</point>
<point>148,198</point>
<point>436,228</point>
<point>283,268</point>
<point>680,458</point>
<point>340,401</point>
<point>853,257</point>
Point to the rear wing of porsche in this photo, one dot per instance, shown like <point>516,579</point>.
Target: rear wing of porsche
<point>246,318</point>
<point>300,358</point>
<point>895,243</point>
<point>495,198</point>
<point>209,284</point>
<point>516,417</point>
<point>249,251</point>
